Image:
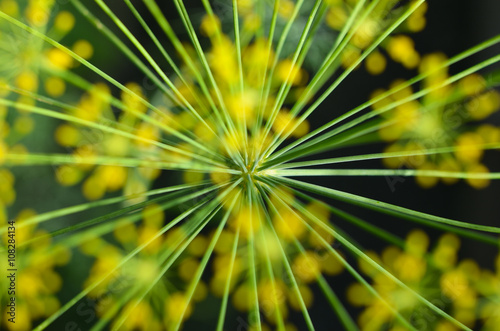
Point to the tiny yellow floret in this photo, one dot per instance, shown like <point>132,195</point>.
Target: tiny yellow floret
<point>83,48</point>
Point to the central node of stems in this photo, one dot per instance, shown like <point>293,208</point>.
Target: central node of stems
<point>248,174</point>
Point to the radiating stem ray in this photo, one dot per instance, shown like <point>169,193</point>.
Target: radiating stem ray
<point>328,141</point>
<point>358,222</point>
<point>191,225</point>
<point>280,323</point>
<point>100,203</point>
<point>263,101</point>
<point>78,81</point>
<point>364,133</point>
<point>115,308</point>
<point>195,226</point>
<point>269,267</point>
<point>384,172</point>
<point>176,249</point>
<point>210,12</point>
<point>202,57</point>
<point>58,159</point>
<point>124,49</point>
<point>227,287</point>
<point>169,32</point>
<point>357,121</point>
<point>103,119</point>
<point>279,48</point>
<point>326,68</point>
<point>188,136</point>
<point>252,277</point>
<point>389,237</point>
<point>167,57</point>
<point>242,124</point>
<point>337,305</point>
<point>76,240</point>
<point>283,93</point>
<point>343,34</point>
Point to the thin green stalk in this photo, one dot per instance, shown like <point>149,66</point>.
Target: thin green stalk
<point>227,287</point>
<point>255,308</point>
<point>58,159</point>
<point>151,61</point>
<point>37,219</point>
<point>165,54</point>
<point>360,223</point>
<point>191,231</point>
<point>280,323</point>
<point>383,206</point>
<point>237,38</point>
<point>171,254</point>
<point>279,48</point>
<point>383,172</point>
<point>78,81</point>
<point>263,102</point>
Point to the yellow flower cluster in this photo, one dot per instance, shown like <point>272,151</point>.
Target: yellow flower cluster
<point>22,67</point>
<point>88,144</point>
<point>27,64</point>
<point>37,281</point>
<point>10,142</point>
<point>399,48</point>
<point>465,291</point>
<point>115,281</point>
<point>438,120</point>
